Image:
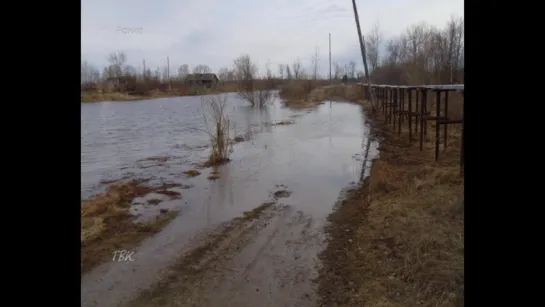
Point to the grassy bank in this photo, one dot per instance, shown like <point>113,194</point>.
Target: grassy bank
<point>398,239</point>
<point>117,96</point>
<point>95,96</point>
<point>107,225</point>
<point>307,94</point>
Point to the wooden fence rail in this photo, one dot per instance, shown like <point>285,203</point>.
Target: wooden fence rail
<point>410,104</point>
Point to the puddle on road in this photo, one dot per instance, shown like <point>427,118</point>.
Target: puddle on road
<point>305,165</point>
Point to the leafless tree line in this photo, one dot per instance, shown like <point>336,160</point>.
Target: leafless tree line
<point>118,67</point>
<point>423,54</point>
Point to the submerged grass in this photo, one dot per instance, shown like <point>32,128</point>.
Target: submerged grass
<point>192,173</point>
<point>107,225</point>
<point>398,239</point>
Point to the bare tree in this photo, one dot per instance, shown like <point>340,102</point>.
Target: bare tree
<point>147,73</point>
<point>289,75</point>
<point>281,71</point>
<point>454,36</point>
<point>164,74</point>
<point>223,74</point>
<point>372,46</point>
<point>84,71</point>
<point>201,69</point>
<point>129,70</point>
<point>245,69</point>
<point>231,76</point>
<point>268,70</point>
<point>393,52</point>
<point>117,58</point>
<point>424,55</point>
<point>218,127</point>
<point>351,69</point>
<point>360,74</point>
<point>315,59</point>
<point>89,73</point>
<point>117,61</point>
<point>246,74</point>
<point>297,69</point>
<point>337,70</point>
<point>183,71</point>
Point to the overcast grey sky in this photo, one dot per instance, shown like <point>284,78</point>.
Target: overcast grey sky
<point>215,32</point>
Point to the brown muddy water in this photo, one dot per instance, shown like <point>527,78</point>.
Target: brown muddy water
<point>306,165</point>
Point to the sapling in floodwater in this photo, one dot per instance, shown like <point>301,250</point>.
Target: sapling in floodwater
<point>218,126</point>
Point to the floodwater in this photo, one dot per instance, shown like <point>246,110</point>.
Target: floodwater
<point>315,159</point>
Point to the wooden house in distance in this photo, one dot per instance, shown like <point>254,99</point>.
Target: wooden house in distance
<point>201,80</point>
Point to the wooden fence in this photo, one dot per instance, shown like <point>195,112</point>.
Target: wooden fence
<point>410,105</point>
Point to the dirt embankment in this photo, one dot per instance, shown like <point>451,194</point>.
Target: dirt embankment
<point>398,239</point>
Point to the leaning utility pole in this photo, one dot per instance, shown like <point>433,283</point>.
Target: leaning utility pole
<point>364,57</point>
<point>329,58</point>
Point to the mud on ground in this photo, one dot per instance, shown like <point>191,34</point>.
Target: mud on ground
<point>398,239</point>
<point>260,259</point>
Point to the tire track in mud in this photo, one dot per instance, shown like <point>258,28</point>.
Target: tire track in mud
<point>281,269</point>
<point>263,261</point>
<point>188,274</point>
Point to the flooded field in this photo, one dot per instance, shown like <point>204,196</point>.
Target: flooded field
<point>300,160</point>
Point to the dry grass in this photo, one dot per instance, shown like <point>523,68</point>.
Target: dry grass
<point>238,139</point>
<point>171,194</point>
<point>398,240</point>
<point>157,158</point>
<point>192,173</point>
<point>283,122</point>
<point>256,212</point>
<point>107,225</point>
<point>295,93</point>
<point>154,201</point>
<point>213,177</point>
<point>306,94</point>
<point>96,96</point>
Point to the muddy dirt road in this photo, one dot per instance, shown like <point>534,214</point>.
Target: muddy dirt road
<point>224,249</point>
<point>263,261</point>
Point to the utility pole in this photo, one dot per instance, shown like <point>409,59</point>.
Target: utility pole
<point>168,73</point>
<point>329,58</point>
<point>364,57</point>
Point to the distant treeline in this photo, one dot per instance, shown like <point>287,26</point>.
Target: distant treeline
<point>423,54</point>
